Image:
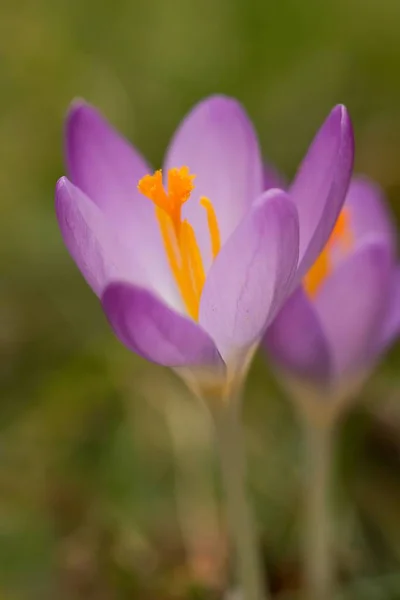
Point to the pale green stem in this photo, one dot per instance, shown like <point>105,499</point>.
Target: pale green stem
<point>231,451</point>
<point>318,564</point>
<point>197,508</point>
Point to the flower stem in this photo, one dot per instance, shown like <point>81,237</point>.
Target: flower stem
<point>318,565</point>
<point>197,506</point>
<point>232,458</point>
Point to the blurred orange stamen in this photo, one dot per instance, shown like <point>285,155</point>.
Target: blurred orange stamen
<point>341,241</point>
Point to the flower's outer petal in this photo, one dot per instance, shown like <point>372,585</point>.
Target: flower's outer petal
<point>150,328</point>
<point>250,277</point>
<point>368,212</point>
<point>107,169</point>
<point>390,329</point>
<point>272,178</point>
<point>321,184</point>
<point>296,341</point>
<point>101,162</point>
<point>92,241</point>
<point>219,145</point>
<point>351,304</point>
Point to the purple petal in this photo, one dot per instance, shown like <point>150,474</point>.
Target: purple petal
<point>296,341</point>
<point>391,323</point>
<point>250,277</point>
<point>107,168</point>
<point>148,327</point>
<point>368,211</point>
<point>351,304</point>
<point>321,183</point>
<point>219,145</point>
<point>101,162</point>
<point>91,239</point>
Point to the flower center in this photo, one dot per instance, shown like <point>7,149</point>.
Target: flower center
<point>178,235</point>
<point>339,244</point>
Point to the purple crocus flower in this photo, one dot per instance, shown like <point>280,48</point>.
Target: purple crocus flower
<point>192,264</point>
<point>347,311</point>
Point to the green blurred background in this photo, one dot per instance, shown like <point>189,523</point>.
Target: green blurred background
<point>108,480</point>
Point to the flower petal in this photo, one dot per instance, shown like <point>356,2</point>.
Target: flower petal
<point>251,275</point>
<point>219,145</point>
<point>321,183</point>
<point>351,304</point>
<point>101,162</point>
<point>390,329</point>
<point>107,168</point>
<point>296,341</point>
<point>91,239</point>
<point>369,214</point>
<point>148,327</point>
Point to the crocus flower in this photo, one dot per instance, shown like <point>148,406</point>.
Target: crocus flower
<point>191,263</point>
<point>347,311</point>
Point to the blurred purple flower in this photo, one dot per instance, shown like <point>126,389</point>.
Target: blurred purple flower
<point>347,311</point>
<point>195,274</point>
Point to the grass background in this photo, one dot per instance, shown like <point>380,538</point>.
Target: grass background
<point>92,502</point>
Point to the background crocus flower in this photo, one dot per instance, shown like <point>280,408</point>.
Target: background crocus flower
<point>347,310</point>
<point>192,263</point>
<point>325,340</point>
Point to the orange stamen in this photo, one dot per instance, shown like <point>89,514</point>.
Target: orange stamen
<point>177,266</point>
<point>317,274</point>
<point>181,247</point>
<point>170,241</point>
<point>212,226</point>
<point>341,241</point>
<point>191,251</point>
